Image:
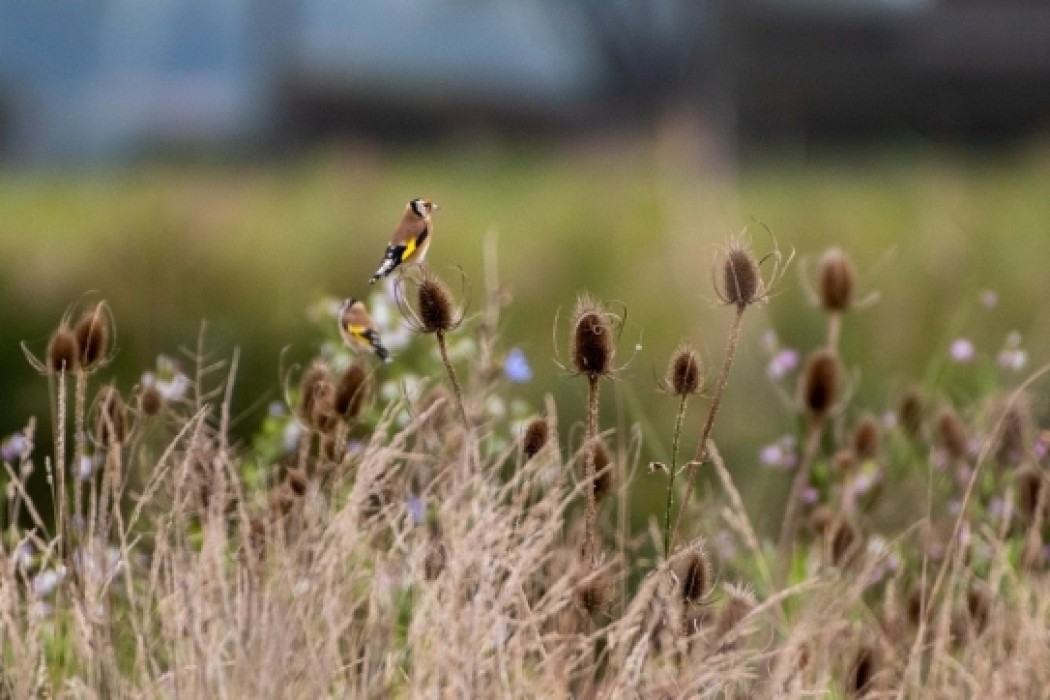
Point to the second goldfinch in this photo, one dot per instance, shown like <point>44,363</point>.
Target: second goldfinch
<point>411,239</point>
<point>358,330</point>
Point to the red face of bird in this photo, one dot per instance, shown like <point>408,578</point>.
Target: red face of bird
<point>422,207</point>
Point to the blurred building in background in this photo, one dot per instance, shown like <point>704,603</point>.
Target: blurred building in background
<point>98,80</point>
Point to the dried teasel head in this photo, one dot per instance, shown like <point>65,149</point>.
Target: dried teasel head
<point>952,432</point>
<point>535,438</point>
<point>910,412</point>
<point>593,345</point>
<point>740,283</point>
<point>317,397</point>
<point>1012,434</point>
<point>94,331</point>
<point>63,354</point>
<point>866,438</point>
<point>836,281</point>
<point>695,576</point>
<point>685,374</point>
<point>604,478</point>
<point>151,400</point>
<point>351,392</point>
<point>738,602</point>
<point>820,385</point>
<point>434,310</point>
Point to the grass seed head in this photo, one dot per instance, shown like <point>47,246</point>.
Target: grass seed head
<point>684,373</point>
<point>111,419</point>
<point>593,348</point>
<point>836,281</point>
<point>63,354</point>
<point>535,438</point>
<point>820,386</point>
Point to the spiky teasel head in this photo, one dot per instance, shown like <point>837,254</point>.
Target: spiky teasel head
<point>604,478</point>
<point>63,353</point>
<point>351,392</point>
<point>695,575</point>
<point>952,432</point>
<point>151,400</point>
<point>1012,430</point>
<point>910,412</point>
<point>94,331</point>
<point>433,308</point>
<point>866,438</point>
<point>1031,484</point>
<point>865,664</point>
<point>820,386</point>
<point>537,432</point>
<point>740,283</point>
<point>836,279</point>
<point>593,345</point>
<point>111,418</point>
<point>317,397</point>
<point>593,594</point>
<point>685,374</point>
<point>738,602</point>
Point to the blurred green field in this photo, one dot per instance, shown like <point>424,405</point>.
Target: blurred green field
<point>248,248</point>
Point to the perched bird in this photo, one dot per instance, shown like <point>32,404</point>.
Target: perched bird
<point>411,238</point>
<point>358,330</point>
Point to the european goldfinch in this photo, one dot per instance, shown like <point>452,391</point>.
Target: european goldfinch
<point>411,238</point>
<point>358,330</point>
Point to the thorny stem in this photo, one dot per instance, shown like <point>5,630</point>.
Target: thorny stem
<point>674,471</point>
<point>452,379</point>
<point>590,452</point>
<point>716,401</point>
<point>789,528</point>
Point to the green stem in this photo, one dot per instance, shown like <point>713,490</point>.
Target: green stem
<point>674,471</point>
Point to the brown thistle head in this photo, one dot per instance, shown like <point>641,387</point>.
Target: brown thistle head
<point>695,576</point>
<point>820,386</point>
<point>535,438</point>
<point>94,331</point>
<point>351,391</point>
<point>593,346</point>
<point>685,375</point>
<point>866,438</point>
<point>836,281</point>
<point>63,354</point>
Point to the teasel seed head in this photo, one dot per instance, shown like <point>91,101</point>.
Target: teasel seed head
<point>1031,484</point>
<point>695,576</point>
<point>111,420</point>
<point>297,481</point>
<point>151,401</point>
<point>685,372</point>
<point>864,666</point>
<point>351,391</point>
<point>820,386</point>
<point>741,278</point>
<point>317,397</point>
<point>592,594</point>
<point>738,603</point>
<point>436,308</point>
<point>1011,444</point>
<point>843,542</point>
<point>63,355</point>
<point>593,348</point>
<point>535,438</point>
<point>866,438</point>
<point>93,336</point>
<point>909,414</point>
<point>952,432</point>
<point>836,281</point>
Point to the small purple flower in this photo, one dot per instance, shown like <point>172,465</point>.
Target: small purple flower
<point>810,496</point>
<point>417,509</point>
<point>13,447</point>
<point>779,454</point>
<point>989,299</point>
<point>962,350</point>
<point>783,363</point>
<point>516,367</point>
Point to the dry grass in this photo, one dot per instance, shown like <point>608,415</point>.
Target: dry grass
<point>354,555</point>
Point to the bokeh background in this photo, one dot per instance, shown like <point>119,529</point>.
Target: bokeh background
<point>234,161</point>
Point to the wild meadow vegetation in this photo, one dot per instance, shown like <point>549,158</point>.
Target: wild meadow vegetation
<point>460,523</point>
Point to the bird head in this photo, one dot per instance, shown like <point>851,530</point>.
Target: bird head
<point>422,207</point>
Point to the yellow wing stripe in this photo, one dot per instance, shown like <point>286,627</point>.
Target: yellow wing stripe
<point>410,248</point>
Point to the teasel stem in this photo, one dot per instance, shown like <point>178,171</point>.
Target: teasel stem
<point>789,528</point>
<point>716,402</point>
<point>590,475</point>
<point>80,409</point>
<point>61,519</point>
<point>675,441</point>
<point>453,380</point>
<point>834,330</point>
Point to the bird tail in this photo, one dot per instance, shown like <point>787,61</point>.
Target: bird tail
<point>377,346</point>
<point>391,259</point>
